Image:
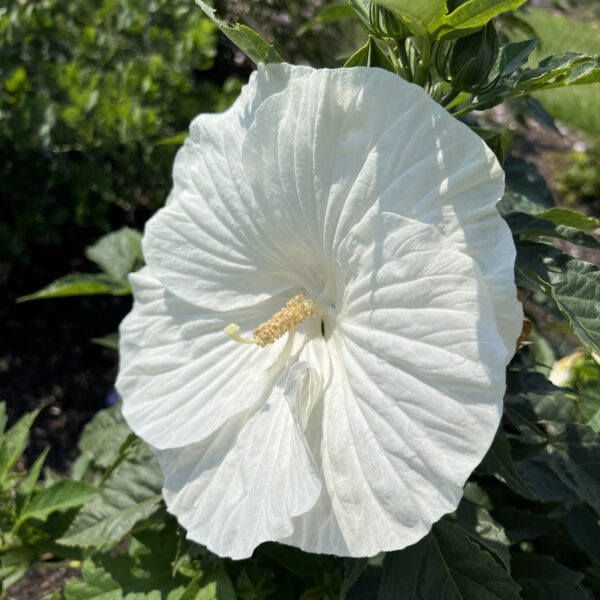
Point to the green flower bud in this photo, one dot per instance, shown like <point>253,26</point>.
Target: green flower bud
<point>467,62</point>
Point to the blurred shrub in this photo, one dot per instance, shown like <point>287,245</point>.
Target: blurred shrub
<point>86,90</point>
<point>580,183</point>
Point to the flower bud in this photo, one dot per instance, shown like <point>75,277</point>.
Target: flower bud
<point>467,62</point>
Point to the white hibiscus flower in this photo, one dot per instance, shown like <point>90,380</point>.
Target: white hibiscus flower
<point>348,423</point>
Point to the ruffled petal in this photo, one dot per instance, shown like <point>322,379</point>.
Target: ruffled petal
<point>418,380</point>
<point>180,375</point>
<point>244,484</point>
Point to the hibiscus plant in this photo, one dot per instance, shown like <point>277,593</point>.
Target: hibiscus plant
<point>336,377</point>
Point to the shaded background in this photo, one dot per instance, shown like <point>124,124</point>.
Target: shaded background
<point>93,97</point>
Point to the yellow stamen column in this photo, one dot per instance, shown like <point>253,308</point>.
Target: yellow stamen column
<point>297,310</point>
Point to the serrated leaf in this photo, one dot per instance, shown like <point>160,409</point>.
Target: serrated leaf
<point>80,284</point>
<point>14,442</point>
<point>118,253</point>
<point>472,15</point>
<point>95,584</point>
<point>103,435</point>
<point>129,495</point>
<point>542,577</point>
<point>516,54</point>
<point>499,463</point>
<point>538,227</point>
<point>567,69</point>
<point>61,495</point>
<point>574,456</point>
<point>571,453</point>
<point>479,525</point>
<point>574,285</point>
<point>445,565</point>
<point>252,44</point>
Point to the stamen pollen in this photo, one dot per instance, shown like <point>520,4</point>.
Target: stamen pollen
<point>295,312</point>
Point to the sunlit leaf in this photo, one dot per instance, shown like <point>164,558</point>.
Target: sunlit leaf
<point>252,44</point>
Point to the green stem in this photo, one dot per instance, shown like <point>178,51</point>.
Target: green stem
<point>397,66</point>
<point>463,111</point>
<point>404,60</point>
<point>424,63</point>
<point>447,98</point>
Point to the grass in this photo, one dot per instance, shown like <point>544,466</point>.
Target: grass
<point>578,106</point>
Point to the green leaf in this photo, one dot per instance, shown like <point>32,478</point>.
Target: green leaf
<point>59,496</point>
<point>445,565</point>
<point>472,15</point>
<point>421,16</point>
<point>103,436</point>
<point>574,456</point>
<point>583,525</point>
<point>477,523</point>
<point>301,564</point>
<point>370,55</point>
<point>96,584</point>
<point>110,341</point>
<point>536,227</point>
<point>567,69</point>
<point>118,253</point>
<point>27,485</point>
<point>80,284</point>
<point>574,285</point>
<point>522,525</point>
<point>499,463</point>
<point>173,140</point>
<point>3,418</point>
<point>571,218</point>
<point>523,178</point>
<point>14,442</point>
<point>542,577</point>
<point>255,582</point>
<point>131,493</point>
<point>329,13</point>
<point>516,54</point>
<point>252,44</point>
<point>570,452</point>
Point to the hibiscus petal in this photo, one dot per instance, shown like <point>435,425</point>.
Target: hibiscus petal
<point>244,484</point>
<point>211,244</point>
<point>343,144</point>
<point>417,387</point>
<point>181,376</point>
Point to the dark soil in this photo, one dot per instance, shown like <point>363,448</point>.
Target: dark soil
<point>47,357</point>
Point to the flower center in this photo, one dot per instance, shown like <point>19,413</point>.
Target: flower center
<point>296,311</point>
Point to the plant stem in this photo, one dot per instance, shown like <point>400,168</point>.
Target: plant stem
<point>447,98</point>
<point>397,66</point>
<point>404,60</point>
<point>424,63</point>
